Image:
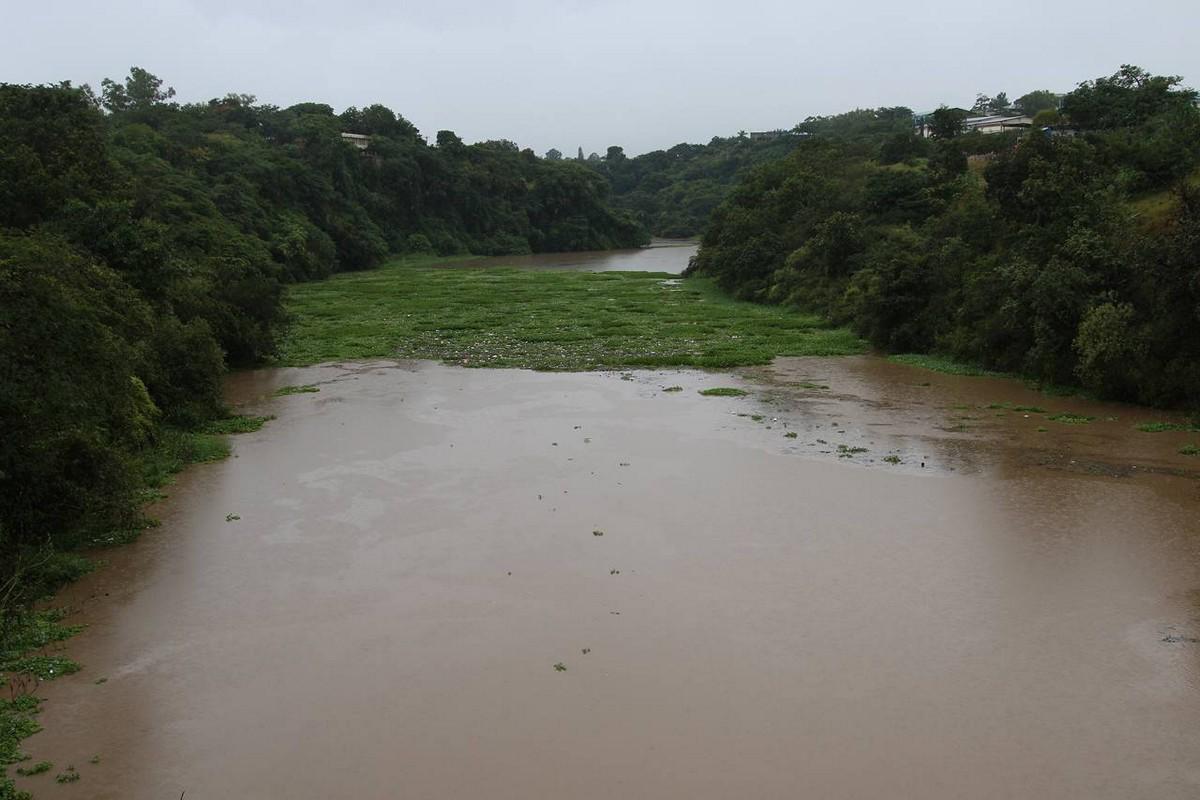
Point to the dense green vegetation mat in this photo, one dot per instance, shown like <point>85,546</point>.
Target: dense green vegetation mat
<point>543,320</point>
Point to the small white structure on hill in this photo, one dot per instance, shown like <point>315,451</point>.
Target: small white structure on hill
<point>359,140</point>
<point>997,123</point>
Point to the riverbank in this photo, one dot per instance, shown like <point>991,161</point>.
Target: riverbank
<point>33,647</point>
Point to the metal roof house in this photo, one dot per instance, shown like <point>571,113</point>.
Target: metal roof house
<point>996,123</point>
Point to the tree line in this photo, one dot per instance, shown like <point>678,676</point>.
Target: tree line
<point>673,192</point>
<point>1071,255</point>
<point>144,247</point>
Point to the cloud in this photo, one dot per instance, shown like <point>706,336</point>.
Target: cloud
<point>570,73</point>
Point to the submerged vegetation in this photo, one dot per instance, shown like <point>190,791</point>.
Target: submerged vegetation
<point>543,320</point>
<point>1160,427</point>
<point>725,391</point>
<point>284,391</point>
<point>1071,419</point>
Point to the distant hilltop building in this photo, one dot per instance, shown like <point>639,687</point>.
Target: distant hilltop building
<point>760,136</point>
<point>996,123</point>
<point>361,141</point>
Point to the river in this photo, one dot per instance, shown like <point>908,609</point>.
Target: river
<point>662,255</point>
<point>466,583</point>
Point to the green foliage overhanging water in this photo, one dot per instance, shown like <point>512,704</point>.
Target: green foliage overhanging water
<point>1070,255</point>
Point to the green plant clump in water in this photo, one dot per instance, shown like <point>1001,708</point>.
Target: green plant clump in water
<point>543,320</point>
<point>1160,427</point>
<point>892,459</point>
<point>70,776</point>
<point>284,391</point>
<point>1190,450</point>
<point>723,391</point>
<point>1071,419</point>
<point>36,769</point>
<point>791,435</point>
<point>673,389</point>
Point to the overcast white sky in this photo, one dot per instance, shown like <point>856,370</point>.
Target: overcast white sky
<point>570,73</point>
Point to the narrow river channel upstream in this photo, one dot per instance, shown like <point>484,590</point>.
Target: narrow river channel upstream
<point>860,580</point>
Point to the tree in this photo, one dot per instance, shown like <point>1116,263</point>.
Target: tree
<point>1047,117</point>
<point>580,156</point>
<point>1127,98</point>
<point>947,123</point>
<point>140,91</point>
<point>1035,101</point>
<point>553,155</point>
<point>448,140</point>
<point>990,105</point>
<point>377,120</point>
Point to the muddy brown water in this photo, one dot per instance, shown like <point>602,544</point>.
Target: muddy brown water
<point>661,255</point>
<point>763,616</point>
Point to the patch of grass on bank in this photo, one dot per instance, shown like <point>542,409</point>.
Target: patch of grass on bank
<point>174,450</point>
<point>26,658</point>
<point>723,391</point>
<point>235,423</point>
<point>944,365</point>
<point>17,722</point>
<point>950,366</point>
<point>543,320</point>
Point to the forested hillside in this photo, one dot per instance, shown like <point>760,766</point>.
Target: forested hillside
<point>1069,255</point>
<point>144,246</point>
<point>673,192</point>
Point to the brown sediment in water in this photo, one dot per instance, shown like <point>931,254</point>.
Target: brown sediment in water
<point>763,616</point>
